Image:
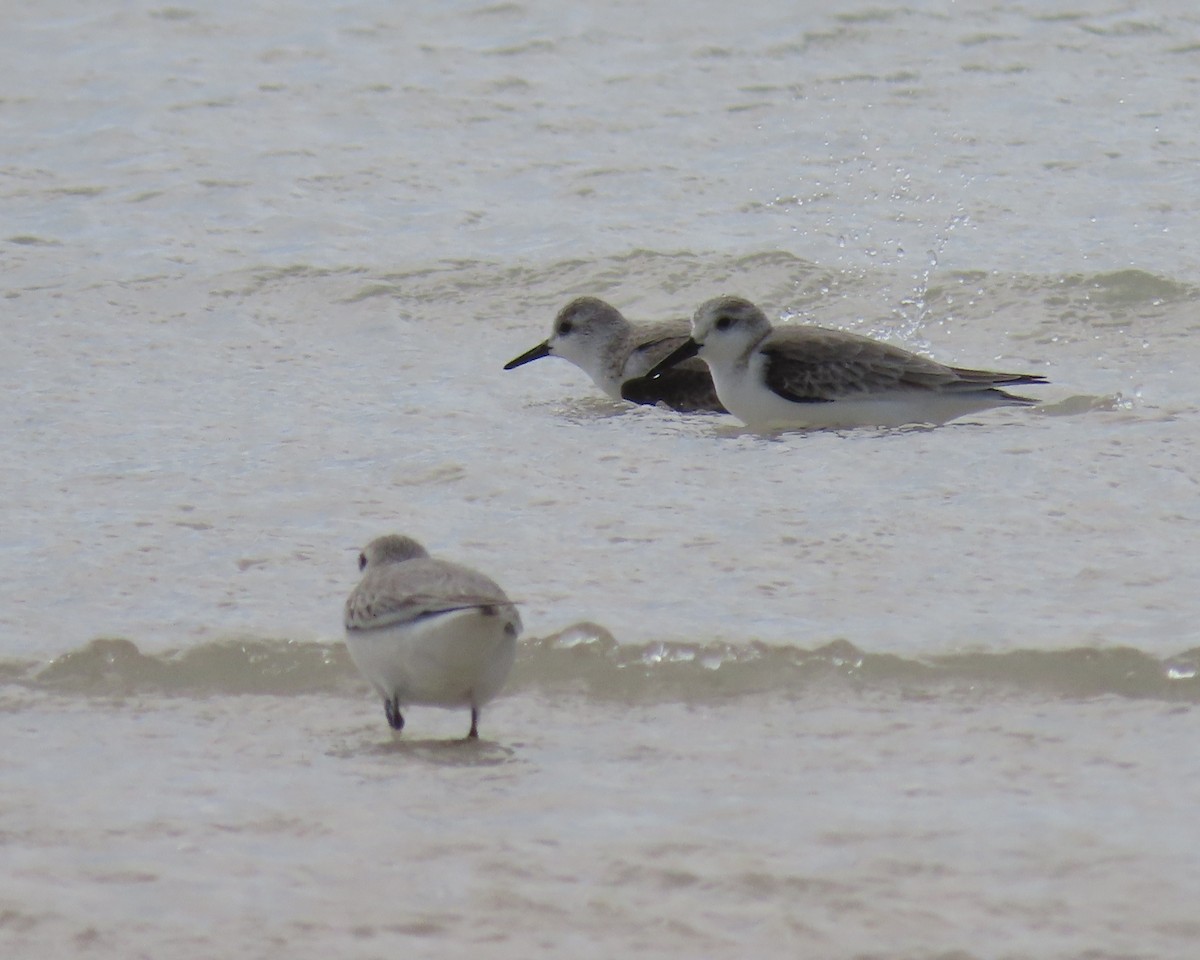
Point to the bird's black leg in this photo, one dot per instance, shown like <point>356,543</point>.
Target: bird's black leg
<point>474,734</point>
<point>391,709</point>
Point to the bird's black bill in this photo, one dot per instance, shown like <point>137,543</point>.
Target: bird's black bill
<point>541,350</point>
<point>684,352</point>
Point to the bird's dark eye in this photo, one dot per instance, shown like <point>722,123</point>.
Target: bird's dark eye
<point>564,328</point>
<point>723,323</point>
<point>362,561</point>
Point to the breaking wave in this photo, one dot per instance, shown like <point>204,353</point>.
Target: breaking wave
<point>586,660</point>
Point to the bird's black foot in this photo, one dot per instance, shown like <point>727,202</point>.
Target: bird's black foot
<point>474,732</point>
<point>391,709</point>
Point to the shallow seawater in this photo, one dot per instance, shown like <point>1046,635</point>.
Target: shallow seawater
<point>877,693</point>
<point>620,799</point>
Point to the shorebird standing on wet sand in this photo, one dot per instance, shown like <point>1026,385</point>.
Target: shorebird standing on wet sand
<point>426,631</point>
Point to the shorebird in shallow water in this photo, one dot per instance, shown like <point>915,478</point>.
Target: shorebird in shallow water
<point>616,354</point>
<point>802,376</point>
<point>426,631</point>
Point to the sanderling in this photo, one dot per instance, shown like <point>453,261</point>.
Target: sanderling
<point>595,337</point>
<point>802,376</point>
<point>426,631</point>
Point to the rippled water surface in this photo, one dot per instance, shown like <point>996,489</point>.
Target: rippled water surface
<point>880,693</point>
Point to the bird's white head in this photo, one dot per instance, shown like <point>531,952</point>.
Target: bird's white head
<point>728,327</point>
<point>392,548</point>
<point>586,332</point>
<point>589,334</point>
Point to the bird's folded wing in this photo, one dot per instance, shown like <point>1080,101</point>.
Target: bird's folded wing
<point>826,365</point>
<point>406,592</point>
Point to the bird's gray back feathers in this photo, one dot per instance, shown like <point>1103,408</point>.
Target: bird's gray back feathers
<point>401,593</point>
